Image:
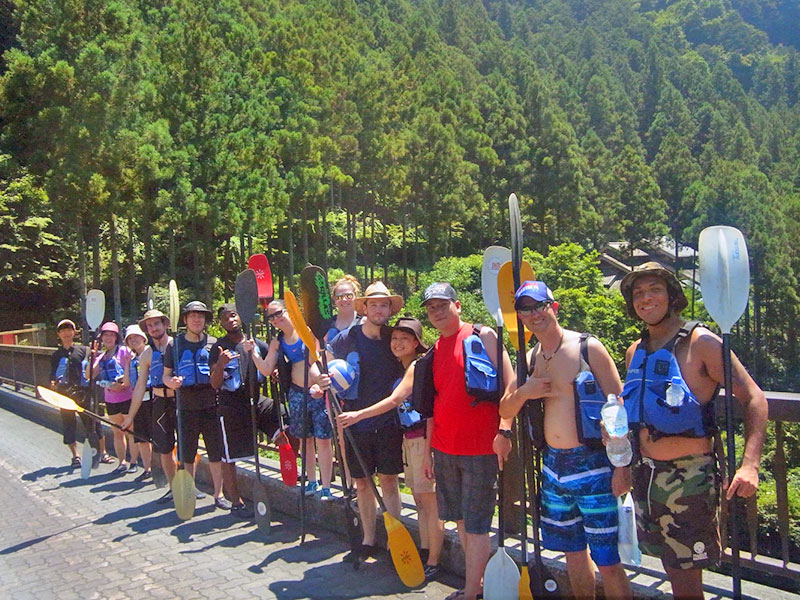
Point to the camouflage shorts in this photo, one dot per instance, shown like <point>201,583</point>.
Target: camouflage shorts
<point>676,510</point>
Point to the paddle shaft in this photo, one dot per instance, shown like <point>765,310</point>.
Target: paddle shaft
<point>253,382</point>
<point>304,449</point>
<point>731,451</point>
<point>501,522</point>
<point>178,411</point>
<point>112,424</point>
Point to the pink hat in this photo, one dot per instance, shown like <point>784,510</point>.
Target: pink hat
<point>111,326</point>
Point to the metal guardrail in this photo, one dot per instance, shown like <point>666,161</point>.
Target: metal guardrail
<point>29,366</point>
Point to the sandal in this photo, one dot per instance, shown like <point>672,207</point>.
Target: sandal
<point>76,463</point>
<point>107,459</point>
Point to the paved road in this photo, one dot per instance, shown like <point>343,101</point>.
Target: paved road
<point>104,537</point>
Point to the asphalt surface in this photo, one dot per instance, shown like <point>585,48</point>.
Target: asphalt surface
<point>105,537</point>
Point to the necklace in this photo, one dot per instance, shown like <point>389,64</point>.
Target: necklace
<point>547,359</point>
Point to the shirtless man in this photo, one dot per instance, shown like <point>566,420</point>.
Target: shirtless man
<point>675,483</point>
<point>579,485</point>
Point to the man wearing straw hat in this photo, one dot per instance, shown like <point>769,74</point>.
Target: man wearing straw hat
<point>379,438</point>
<point>674,373</point>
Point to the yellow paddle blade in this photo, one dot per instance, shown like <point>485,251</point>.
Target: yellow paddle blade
<point>300,325</point>
<point>404,553</point>
<point>56,399</point>
<point>174,305</point>
<point>505,291</point>
<point>525,580</point>
<point>183,494</point>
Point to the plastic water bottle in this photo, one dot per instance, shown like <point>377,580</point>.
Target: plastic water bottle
<point>628,540</point>
<point>675,392</point>
<point>615,420</point>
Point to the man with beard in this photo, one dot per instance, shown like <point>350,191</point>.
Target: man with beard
<point>151,366</point>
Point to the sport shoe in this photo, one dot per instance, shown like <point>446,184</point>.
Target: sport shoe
<point>431,572</point>
<point>76,463</point>
<point>242,511</point>
<point>146,474</point>
<point>326,496</point>
<point>223,503</point>
<point>167,497</point>
<point>133,467</point>
<point>122,468</point>
<point>311,488</point>
<point>198,495</point>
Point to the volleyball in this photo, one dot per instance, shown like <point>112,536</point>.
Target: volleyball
<point>342,375</point>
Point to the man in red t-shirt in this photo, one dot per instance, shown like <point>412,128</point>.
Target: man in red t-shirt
<point>465,442</point>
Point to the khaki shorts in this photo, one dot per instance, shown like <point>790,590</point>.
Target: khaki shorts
<point>413,453</point>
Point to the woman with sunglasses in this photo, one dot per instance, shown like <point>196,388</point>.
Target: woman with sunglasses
<point>344,292</point>
<point>287,353</point>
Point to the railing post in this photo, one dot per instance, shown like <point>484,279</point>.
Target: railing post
<point>14,370</point>
<point>781,491</point>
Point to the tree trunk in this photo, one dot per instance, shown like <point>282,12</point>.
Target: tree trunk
<point>304,225</point>
<point>95,235</point>
<point>82,281</point>
<point>351,242</point>
<point>385,252</point>
<point>172,250</point>
<point>364,247</point>
<point>290,250</point>
<point>112,238</point>
<point>405,257</point>
<point>148,271</point>
<point>195,244</point>
<point>132,272</point>
<point>373,259</point>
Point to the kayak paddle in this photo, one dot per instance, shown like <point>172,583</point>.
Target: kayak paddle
<point>95,312</point>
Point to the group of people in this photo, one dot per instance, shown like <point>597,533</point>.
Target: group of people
<point>451,454</point>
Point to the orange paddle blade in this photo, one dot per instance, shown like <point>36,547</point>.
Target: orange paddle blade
<point>56,399</point>
<point>404,553</point>
<point>300,325</point>
<point>505,291</point>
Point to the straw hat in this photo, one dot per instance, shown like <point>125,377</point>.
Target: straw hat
<point>153,313</point>
<point>377,290</point>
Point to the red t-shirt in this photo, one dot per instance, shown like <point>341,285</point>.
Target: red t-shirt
<point>459,427</point>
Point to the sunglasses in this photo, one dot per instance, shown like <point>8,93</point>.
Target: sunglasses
<point>528,311</point>
<point>275,315</point>
<point>345,296</point>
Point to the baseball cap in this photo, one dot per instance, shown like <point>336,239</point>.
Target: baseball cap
<point>440,290</point>
<point>535,290</point>
<point>65,323</point>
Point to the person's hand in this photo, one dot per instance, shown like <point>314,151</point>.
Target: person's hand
<point>324,381</point>
<point>248,345</point>
<point>225,357</point>
<point>346,419</point>
<point>316,392</point>
<point>621,481</point>
<point>116,386</point>
<point>127,421</point>
<point>176,381</point>
<point>744,484</point>
<point>502,447</point>
<point>427,466</point>
<point>536,387</point>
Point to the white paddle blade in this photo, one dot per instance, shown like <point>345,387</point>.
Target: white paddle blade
<point>724,274</point>
<point>501,577</point>
<point>95,308</point>
<point>493,258</point>
<point>174,305</point>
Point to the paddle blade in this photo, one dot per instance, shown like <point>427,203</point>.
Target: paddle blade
<point>505,292</point>
<point>524,585</point>
<point>260,265</point>
<point>315,298</point>
<point>724,274</point>
<point>151,298</point>
<point>159,477</point>
<point>493,258</point>
<point>516,233</point>
<point>56,399</point>
<point>95,308</point>
<point>183,494</point>
<point>288,464</point>
<point>404,553</point>
<point>263,513</point>
<point>354,533</point>
<point>300,325</point>
<point>245,293</point>
<point>86,459</point>
<point>174,305</point>
<point>501,577</point>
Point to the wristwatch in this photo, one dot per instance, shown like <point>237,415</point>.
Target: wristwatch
<point>506,433</point>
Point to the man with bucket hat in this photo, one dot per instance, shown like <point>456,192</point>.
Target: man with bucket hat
<point>151,367</point>
<point>192,375</point>
<point>379,438</point>
<point>675,371</point>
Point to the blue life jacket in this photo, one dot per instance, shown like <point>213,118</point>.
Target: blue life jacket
<point>156,374</point>
<point>84,365</point>
<point>481,379</point>
<point>110,368</point>
<point>234,374</point>
<point>645,392</point>
<point>589,399</point>
<point>409,418</point>
<point>134,373</point>
<point>193,366</point>
<point>62,376</point>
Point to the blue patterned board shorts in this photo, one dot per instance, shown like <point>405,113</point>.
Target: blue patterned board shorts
<point>317,422</point>
<point>578,507</point>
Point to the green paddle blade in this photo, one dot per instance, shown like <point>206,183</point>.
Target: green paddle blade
<point>246,295</point>
<point>183,494</point>
<point>516,237</point>
<point>86,458</point>
<point>724,274</point>
<point>174,305</point>
<point>95,308</point>
<point>315,298</point>
<point>493,258</point>
<point>501,577</point>
<point>263,513</point>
